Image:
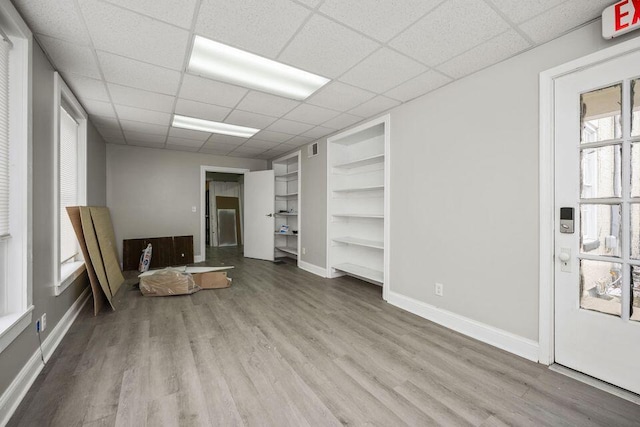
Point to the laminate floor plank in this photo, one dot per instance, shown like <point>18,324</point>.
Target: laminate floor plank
<point>283,347</point>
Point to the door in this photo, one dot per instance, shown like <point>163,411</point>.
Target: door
<point>597,170</point>
<point>259,231</point>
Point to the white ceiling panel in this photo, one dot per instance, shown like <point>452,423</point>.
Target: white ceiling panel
<point>200,110</point>
<point>71,58</point>
<point>245,118</point>
<point>148,144</point>
<point>215,151</point>
<point>174,140</point>
<point>98,108</point>
<point>141,98</point>
<point>140,115</point>
<point>417,86</point>
<point>375,106</point>
<point>114,140</point>
<point>264,103</point>
<point>140,75</point>
<point>562,18</point>
<point>248,150</point>
<point>144,137</point>
<point>311,114</point>
<point>383,70</point>
<point>495,50</point>
<point>519,11</point>
<point>310,3</point>
<point>474,23</point>
<point>189,134</point>
<point>210,91</point>
<point>327,48</point>
<point>129,126</point>
<point>257,143</point>
<point>88,87</point>
<point>226,139</point>
<point>340,96</point>
<point>59,18</point>
<point>136,36</point>
<point>381,20</point>
<point>267,135</point>
<point>297,141</point>
<point>261,27</point>
<point>178,13</point>
<point>342,121</point>
<point>110,132</point>
<point>182,148</point>
<point>104,122</point>
<point>289,126</point>
<point>317,132</point>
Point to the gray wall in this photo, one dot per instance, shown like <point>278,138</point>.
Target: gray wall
<point>313,202</point>
<point>13,358</point>
<point>150,192</point>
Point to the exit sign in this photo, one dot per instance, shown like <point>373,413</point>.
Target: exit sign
<point>620,18</point>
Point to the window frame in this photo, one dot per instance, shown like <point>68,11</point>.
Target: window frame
<point>65,274</point>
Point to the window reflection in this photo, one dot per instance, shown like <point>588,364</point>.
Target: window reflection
<point>600,114</point>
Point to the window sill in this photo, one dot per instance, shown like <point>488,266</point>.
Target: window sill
<point>12,325</point>
<point>68,273</point>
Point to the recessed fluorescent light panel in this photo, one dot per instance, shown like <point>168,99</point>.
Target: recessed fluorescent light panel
<point>212,127</point>
<point>221,62</point>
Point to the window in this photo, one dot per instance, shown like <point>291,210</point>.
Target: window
<point>15,145</point>
<point>71,132</point>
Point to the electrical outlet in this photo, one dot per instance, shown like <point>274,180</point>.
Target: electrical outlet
<point>38,325</point>
<point>304,251</point>
<point>194,209</point>
<point>43,322</point>
<point>439,289</point>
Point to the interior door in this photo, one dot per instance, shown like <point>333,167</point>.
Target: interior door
<point>259,194</point>
<point>597,169</point>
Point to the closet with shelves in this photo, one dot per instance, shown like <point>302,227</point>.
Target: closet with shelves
<point>358,203</point>
<point>287,205</point>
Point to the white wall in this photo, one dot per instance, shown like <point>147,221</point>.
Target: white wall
<point>150,192</point>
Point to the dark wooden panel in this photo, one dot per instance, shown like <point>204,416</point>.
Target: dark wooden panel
<point>183,250</point>
<point>162,255</point>
<point>131,251</point>
<point>166,251</point>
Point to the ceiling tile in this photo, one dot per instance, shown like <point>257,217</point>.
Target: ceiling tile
<point>248,150</point>
<point>310,3</point>
<point>317,132</point>
<point>562,18</point>
<point>297,141</point>
<point>98,108</point>
<point>148,144</point>
<point>71,58</point>
<point>265,156</point>
<point>342,121</point>
<point>136,36</point>
<point>257,143</point>
<point>311,114</point>
<point>200,110</point>
<point>114,140</point>
<point>242,155</point>
<point>129,126</point>
<point>417,86</point>
<point>140,115</point>
<point>244,118</point>
<point>226,139</point>
<point>378,19</point>
<point>59,19</point>
<point>127,72</point>
<point>382,71</point>
<point>267,135</point>
<point>493,51</point>
<point>174,140</point>
<point>265,103</point>
<point>104,122</point>
<point>110,132</point>
<point>144,137</point>
<point>215,151</point>
<point>182,148</point>
<point>177,13</point>
<point>189,134</point>
<point>327,48</point>
<point>289,126</point>
<point>519,11</point>
<point>210,91</point>
<point>449,35</point>
<point>261,27</point>
<point>375,106</point>
<point>87,87</point>
<point>339,96</point>
<point>141,98</point>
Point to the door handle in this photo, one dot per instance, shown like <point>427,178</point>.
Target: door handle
<point>564,257</point>
<point>269,214</point>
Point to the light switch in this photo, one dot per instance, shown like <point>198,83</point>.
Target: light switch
<point>193,209</point>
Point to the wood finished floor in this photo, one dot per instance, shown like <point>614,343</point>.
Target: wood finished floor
<point>284,347</point>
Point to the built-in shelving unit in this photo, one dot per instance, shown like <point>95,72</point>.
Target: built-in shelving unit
<point>357,203</point>
<point>287,204</point>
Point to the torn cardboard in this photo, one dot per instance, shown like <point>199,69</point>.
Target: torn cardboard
<point>107,241</point>
<point>171,281</point>
<point>93,248</point>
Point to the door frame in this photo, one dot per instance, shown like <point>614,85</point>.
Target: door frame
<point>203,180</point>
<point>546,318</point>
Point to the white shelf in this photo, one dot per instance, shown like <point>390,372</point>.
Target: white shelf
<point>360,271</point>
<point>366,161</point>
<point>286,214</point>
<point>288,250</point>
<point>287,176</point>
<point>290,195</point>
<point>359,242</point>
<point>358,215</point>
<point>288,233</point>
<point>359,189</point>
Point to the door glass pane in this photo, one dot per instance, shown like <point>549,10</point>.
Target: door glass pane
<point>600,115</point>
<point>600,286</point>
<point>635,230</point>
<point>600,229</point>
<point>635,169</point>
<point>635,107</point>
<point>635,293</point>
<point>601,172</point>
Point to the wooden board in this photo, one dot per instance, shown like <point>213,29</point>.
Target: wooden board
<point>107,241</point>
<point>166,251</point>
<point>93,248</point>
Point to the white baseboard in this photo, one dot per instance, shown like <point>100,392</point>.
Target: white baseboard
<point>16,391</point>
<point>311,268</point>
<point>504,340</point>
<point>198,258</point>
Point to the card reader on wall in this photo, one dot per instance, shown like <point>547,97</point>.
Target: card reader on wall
<point>566,220</point>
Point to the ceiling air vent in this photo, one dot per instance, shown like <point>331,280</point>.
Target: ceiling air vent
<point>312,149</point>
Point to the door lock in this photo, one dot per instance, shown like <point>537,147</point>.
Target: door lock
<point>565,260</point>
<point>566,220</point>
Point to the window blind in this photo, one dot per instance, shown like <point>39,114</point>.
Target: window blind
<point>4,137</point>
<point>68,183</point>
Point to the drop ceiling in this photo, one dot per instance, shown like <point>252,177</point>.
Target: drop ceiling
<point>126,60</point>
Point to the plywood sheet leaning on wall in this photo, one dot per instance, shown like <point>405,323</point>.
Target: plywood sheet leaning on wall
<point>107,241</point>
<point>95,255</point>
<point>98,293</point>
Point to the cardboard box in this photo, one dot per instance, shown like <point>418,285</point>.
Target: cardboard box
<point>167,282</point>
<point>212,280</point>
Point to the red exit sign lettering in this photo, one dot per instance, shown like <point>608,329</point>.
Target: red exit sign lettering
<point>620,18</point>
